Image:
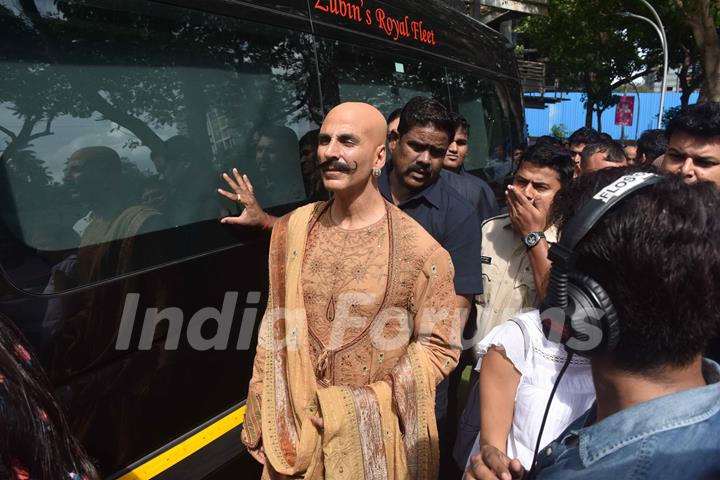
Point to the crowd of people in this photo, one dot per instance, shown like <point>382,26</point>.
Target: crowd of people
<point>585,307</point>
<point>636,280</point>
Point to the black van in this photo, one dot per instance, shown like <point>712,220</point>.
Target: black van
<point>116,119</point>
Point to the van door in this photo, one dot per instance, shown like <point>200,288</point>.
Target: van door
<point>116,120</point>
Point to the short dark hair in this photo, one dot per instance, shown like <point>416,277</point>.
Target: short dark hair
<point>423,111</point>
<point>284,135</point>
<point>310,138</point>
<point>548,140</point>
<point>553,156</point>
<point>652,144</point>
<point>460,122</point>
<point>614,150</point>
<point>180,148</point>
<point>394,114</point>
<point>699,120</point>
<point>657,256</point>
<point>584,135</point>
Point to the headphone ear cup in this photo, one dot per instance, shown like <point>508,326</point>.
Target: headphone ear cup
<point>556,326</point>
<point>590,309</point>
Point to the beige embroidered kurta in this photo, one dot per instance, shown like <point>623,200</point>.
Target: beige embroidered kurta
<point>359,329</point>
<point>344,279</point>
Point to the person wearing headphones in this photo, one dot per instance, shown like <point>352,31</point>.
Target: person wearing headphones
<point>634,289</point>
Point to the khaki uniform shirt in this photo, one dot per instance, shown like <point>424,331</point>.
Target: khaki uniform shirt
<point>508,282</point>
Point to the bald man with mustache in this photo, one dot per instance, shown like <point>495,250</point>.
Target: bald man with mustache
<point>359,326</point>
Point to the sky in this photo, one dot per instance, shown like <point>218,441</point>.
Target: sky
<point>71,134</point>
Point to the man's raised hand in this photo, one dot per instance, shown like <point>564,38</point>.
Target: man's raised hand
<point>244,194</point>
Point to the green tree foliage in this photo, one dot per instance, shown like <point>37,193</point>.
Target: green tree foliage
<point>670,113</point>
<point>691,27</point>
<point>703,19</point>
<point>593,50</point>
<point>155,70</point>
<point>560,132</point>
<point>588,48</point>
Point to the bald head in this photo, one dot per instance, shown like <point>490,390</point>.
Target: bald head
<point>370,122</point>
<point>91,172</point>
<point>351,146</point>
<point>97,159</point>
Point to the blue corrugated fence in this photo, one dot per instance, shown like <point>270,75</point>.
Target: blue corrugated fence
<point>571,113</point>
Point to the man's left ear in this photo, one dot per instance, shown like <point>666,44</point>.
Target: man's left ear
<point>380,157</point>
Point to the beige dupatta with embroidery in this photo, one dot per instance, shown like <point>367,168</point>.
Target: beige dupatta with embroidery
<point>385,430</point>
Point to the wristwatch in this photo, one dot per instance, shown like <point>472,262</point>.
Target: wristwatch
<point>532,239</point>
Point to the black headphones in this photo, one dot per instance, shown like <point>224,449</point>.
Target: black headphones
<point>577,311</point>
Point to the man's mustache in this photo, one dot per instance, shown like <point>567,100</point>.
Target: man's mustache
<point>420,168</point>
<point>337,165</point>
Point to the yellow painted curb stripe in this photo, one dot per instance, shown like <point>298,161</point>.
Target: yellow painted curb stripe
<point>174,455</point>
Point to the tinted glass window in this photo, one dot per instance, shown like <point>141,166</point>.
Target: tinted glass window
<point>482,102</point>
<point>116,124</point>
<point>384,80</point>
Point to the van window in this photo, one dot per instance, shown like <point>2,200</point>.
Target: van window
<point>117,119</point>
<point>480,101</point>
<point>382,79</point>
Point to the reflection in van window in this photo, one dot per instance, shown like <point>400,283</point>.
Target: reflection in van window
<point>382,80</point>
<point>107,134</point>
<point>276,174</point>
<point>478,100</point>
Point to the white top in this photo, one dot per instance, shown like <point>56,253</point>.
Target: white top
<point>539,365</point>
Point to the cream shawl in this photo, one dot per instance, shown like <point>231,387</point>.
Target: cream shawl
<point>385,430</point>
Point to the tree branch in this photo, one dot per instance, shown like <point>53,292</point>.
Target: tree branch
<point>136,126</point>
<point>8,133</point>
<point>623,81</point>
<point>32,13</point>
<point>46,132</point>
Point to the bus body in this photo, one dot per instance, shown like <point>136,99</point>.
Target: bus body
<point>116,120</point>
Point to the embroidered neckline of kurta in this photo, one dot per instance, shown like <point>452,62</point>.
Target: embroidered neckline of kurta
<point>344,277</point>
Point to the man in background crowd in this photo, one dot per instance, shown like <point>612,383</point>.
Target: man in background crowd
<point>473,189</point>
<point>413,183</point>
<point>650,145</point>
<point>578,140</point>
<point>603,154</point>
<point>518,153</point>
<point>694,153</point>
<point>392,121</point>
<point>694,144</point>
<point>312,179</point>
<point>630,154</point>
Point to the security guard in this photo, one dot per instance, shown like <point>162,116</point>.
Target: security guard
<point>515,245</point>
